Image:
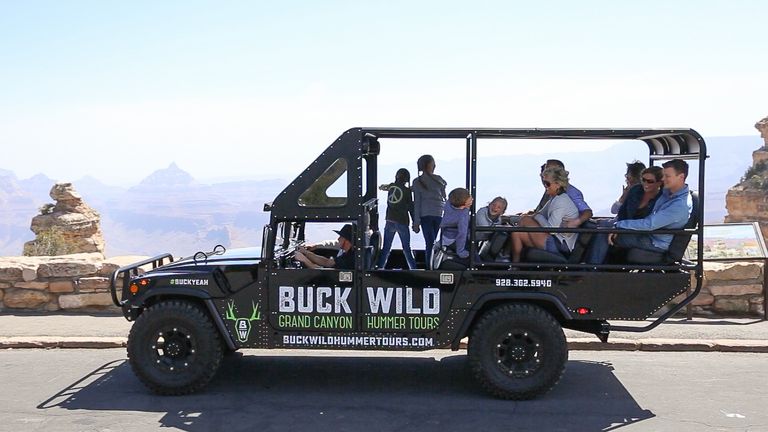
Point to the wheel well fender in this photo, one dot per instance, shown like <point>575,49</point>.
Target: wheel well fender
<point>199,297</point>
<point>548,302</point>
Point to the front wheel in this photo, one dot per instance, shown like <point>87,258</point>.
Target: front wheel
<point>517,351</point>
<point>174,348</point>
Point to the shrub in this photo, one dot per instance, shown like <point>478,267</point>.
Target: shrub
<point>49,242</point>
<point>756,176</point>
<point>46,208</point>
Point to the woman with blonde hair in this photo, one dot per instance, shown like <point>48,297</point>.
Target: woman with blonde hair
<point>558,206</point>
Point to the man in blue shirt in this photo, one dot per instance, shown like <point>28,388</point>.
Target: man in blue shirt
<point>671,211</point>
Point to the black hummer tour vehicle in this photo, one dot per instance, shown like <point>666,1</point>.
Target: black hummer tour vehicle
<point>189,313</point>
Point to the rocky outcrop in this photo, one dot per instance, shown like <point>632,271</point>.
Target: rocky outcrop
<point>69,226</point>
<point>77,282</point>
<point>748,200</point>
<point>762,126</point>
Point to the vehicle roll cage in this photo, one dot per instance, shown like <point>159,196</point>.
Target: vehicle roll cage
<point>360,147</point>
<point>663,144</point>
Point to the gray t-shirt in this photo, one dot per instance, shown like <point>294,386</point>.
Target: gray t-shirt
<point>552,214</point>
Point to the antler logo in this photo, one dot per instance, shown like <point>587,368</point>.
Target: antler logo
<point>242,325</point>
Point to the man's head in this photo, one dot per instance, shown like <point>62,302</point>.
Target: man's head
<point>346,237</point>
<point>675,173</point>
<point>552,163</point>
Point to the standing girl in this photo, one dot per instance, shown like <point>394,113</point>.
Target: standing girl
<point>429,194</point>
<point>399,213</point>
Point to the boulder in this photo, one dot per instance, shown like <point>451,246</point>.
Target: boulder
<point>762,126</point>
<point>63,286</point>
<point>69,226</point>
<point>78,301</point>
<point>732,305</point>
<point>31,285</point>
<point>67,269</point>
<point>25,299</point>
<point>735,290</point>
<point>732,271</point>
<point>756,306</point>
<point>703,300</point>
<point>11,271</point>
<point>28,272</point>
<point>91,284</point>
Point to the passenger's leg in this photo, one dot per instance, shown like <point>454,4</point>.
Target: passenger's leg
<point>526,221</point>
<point>598,249</point>
<point>430,225</point>
<point>516,239</point>
<point>389,235</point>
<point>539,239</point>
<point>405,238</point>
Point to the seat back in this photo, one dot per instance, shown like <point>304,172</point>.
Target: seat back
<point>492,247</point>
<point>680,241</point>
<point>582,244</point>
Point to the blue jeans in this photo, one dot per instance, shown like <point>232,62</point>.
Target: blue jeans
<point>599,248</point>
<point>403,231</point>
<point>430,225</point>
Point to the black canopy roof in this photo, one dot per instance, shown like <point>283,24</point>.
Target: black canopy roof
<point>662,143</point>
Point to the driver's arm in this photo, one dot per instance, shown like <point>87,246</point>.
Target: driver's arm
<point>313,260</point>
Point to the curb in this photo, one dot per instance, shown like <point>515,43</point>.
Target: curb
<point>574,344</point>
<point>670,345</point>
<point>61,342</point>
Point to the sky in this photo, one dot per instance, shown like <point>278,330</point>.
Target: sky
<point>250,89</point>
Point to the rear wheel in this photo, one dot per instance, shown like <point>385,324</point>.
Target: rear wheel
<point>174,348</point>
<point>517,351</point>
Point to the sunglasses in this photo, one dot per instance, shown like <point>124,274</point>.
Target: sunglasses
<point>546,183</point>
<point>647,180</point>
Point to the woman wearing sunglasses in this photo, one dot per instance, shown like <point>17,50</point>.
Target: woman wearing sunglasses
<point>559,206</point>
<point>641,197</point>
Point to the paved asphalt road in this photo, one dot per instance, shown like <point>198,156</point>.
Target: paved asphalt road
<point>95,390</point>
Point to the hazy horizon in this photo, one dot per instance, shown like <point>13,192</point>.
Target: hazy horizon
<point>385,159</point>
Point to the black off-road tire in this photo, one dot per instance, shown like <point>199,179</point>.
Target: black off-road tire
<point>174,348</point>
<point>517,351</point>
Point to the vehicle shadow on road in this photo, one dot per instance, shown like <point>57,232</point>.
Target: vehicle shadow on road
<point>332,393</point>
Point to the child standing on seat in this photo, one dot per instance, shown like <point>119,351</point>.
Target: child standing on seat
<point>454,228</point>
<point>399,207</point>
